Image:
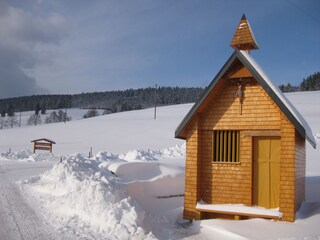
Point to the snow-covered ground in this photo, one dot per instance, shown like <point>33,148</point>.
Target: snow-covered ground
<point>115,133</point>
<point>132,186</point>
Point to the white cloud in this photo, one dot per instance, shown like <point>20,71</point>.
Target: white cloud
<point>23,39</point>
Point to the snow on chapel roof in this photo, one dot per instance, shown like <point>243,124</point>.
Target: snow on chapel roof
<point>308,132</point>
<point>274,92</point>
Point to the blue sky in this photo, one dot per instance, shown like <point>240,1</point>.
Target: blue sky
<point>57,46</point>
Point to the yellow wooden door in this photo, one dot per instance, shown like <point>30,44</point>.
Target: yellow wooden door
<point>266,171</point>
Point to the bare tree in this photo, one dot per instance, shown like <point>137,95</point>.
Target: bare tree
<point>91,113</point>
<point>34,119</point>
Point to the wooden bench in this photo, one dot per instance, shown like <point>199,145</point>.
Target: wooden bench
<point>237,211</point>
<point>42,144</point>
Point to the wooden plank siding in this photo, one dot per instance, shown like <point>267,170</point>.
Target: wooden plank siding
<point>231,183</point>
<point>287,169</point>
<point>192,188</point>
<point>257,109</point>
<point>300,170</point>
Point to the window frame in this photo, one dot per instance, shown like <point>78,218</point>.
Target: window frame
<point>226,146</point>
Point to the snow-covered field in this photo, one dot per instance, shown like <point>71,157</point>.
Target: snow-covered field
<point>115,133</point>
<point>132,186</point>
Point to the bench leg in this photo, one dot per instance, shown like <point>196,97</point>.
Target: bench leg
<point>198,215</point>
<point>237,217</point>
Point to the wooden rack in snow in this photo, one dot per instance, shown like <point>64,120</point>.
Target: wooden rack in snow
<point>42,144</point>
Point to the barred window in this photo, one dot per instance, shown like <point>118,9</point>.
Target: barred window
<point>226,146</point>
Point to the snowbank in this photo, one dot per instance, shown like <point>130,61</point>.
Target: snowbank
<point>150,155</point>
<point>23,154</point>
<point>27,155</point>
<point>138,155</point>
<point>109,195</point>
<point>78,194</point>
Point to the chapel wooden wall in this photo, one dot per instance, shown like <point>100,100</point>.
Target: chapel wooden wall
<point>217,183</point>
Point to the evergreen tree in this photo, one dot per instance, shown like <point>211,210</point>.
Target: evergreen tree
<point>311,83</point>
<point>37,110</point>
<point>3,113</point>
<point>43,109</point>
<point>10,111</point>
<point>1,122</point>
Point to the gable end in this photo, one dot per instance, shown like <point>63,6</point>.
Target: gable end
<point>290,112</point>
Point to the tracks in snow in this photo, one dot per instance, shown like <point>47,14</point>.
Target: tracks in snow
<point>18,220</point>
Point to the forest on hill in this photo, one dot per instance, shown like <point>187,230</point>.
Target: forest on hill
<point>126,100</point>
<point>311,83</point>
<point>111,101</point>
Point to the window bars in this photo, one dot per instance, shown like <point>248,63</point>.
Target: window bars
<point>226,146</point>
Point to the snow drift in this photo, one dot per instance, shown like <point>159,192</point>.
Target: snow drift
<point>79,192</point>
<point>27,155</point>
<point>108,195</point>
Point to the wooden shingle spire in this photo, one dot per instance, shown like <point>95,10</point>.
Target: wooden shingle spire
<point>244,39</point>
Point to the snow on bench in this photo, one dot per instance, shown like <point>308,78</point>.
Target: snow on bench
<point>239,209</point>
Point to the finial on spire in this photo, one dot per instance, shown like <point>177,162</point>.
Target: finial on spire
<point>243,38</point>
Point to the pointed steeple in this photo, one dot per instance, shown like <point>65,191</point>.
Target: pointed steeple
<point>244,39</point>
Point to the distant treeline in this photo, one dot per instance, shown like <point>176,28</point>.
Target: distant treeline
<point>311,83</point>
<point>111,101</point>
<point>126,100</point>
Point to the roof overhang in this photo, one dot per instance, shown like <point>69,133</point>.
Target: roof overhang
<point>204,96</point>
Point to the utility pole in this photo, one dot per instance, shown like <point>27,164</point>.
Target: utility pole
<point>20,119</point>
<point>65,117</point>
<point>155,103</point>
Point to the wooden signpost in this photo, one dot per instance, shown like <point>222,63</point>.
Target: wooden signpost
<point>42,144</point>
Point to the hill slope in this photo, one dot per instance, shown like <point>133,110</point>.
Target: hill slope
<point>116,133</point>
